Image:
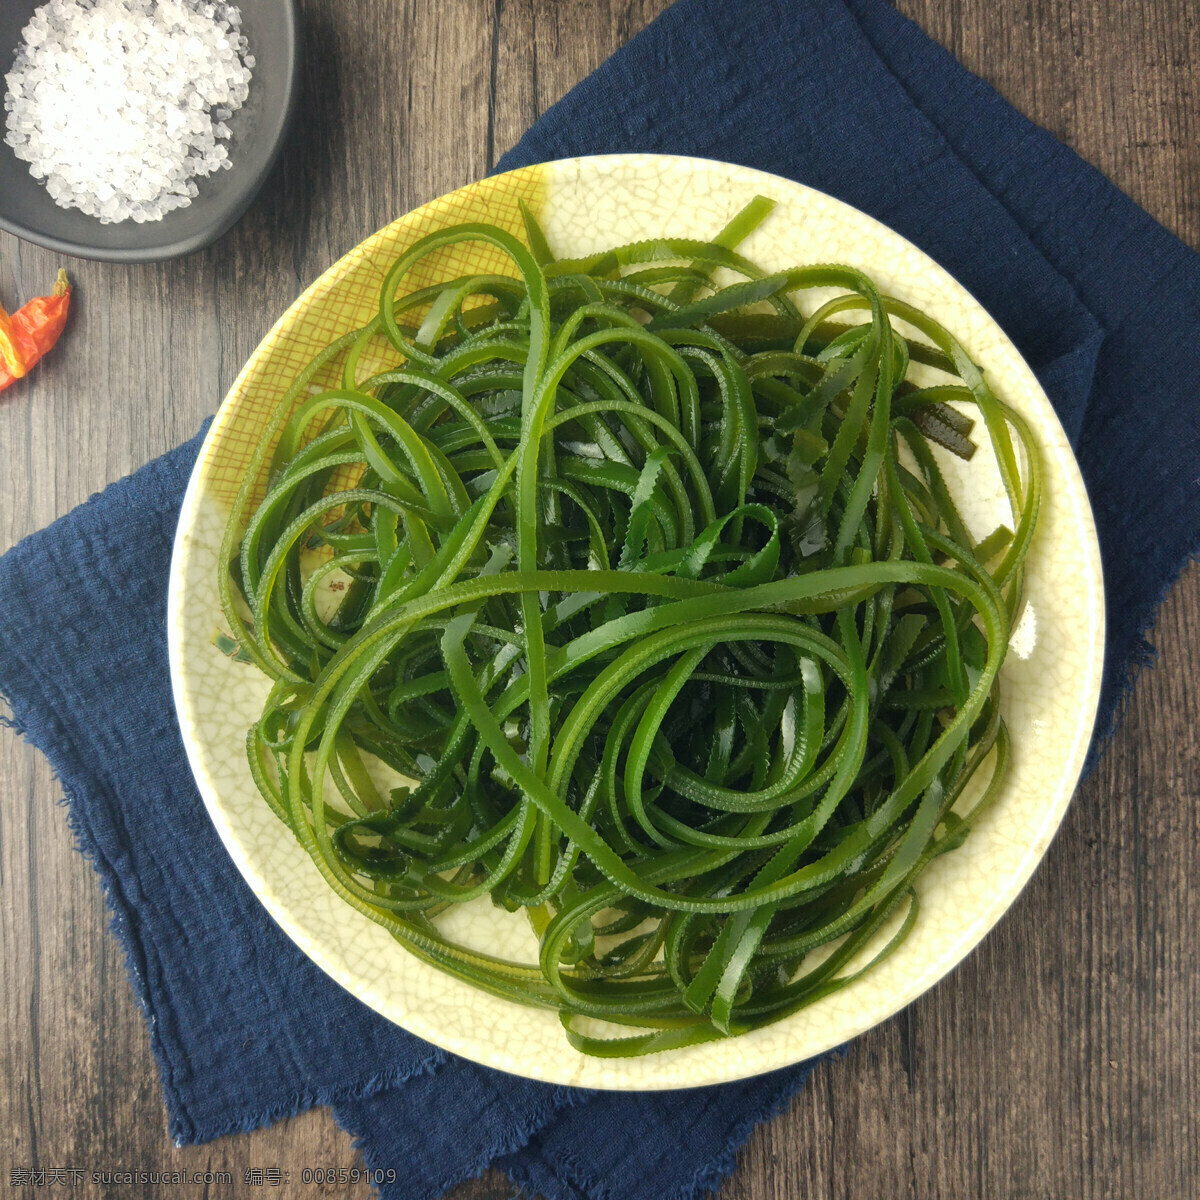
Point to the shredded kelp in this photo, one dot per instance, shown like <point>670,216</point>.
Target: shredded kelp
<point>643,575</point>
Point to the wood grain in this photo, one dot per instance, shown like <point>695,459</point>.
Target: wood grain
<point>1062,1060</point>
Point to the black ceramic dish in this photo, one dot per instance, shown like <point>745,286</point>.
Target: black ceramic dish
<point>258,128</point>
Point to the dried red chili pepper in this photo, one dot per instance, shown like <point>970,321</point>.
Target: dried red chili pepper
<point>32,330</point>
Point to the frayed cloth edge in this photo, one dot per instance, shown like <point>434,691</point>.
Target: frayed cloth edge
<point>179,1122</point>
<point>513,1143</point>
<point>1143,656</point>
<point>327,1097</point>
<point>182,1127</point>
<point>565,1179</point>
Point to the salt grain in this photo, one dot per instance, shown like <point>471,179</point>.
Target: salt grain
<point>117,105</point>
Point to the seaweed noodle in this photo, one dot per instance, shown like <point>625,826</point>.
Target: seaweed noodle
<point>632,596</point>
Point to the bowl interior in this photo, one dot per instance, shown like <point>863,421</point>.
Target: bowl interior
<point>27,210</point>
<point>1050,681</point>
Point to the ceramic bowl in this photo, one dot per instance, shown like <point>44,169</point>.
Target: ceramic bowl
<point>257,130</point>
<point>1050,680</point>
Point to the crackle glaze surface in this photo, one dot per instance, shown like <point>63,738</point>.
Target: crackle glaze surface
<point>1050,680</point>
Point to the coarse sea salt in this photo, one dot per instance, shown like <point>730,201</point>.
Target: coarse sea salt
<point>118,106</point>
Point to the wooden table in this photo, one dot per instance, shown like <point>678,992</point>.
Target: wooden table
<point>1062,1059</point>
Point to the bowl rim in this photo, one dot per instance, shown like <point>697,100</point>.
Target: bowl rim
<point>639,1074</point>
<point>229,217</point>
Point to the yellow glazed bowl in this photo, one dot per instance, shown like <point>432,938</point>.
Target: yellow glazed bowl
<point>1050,681</point>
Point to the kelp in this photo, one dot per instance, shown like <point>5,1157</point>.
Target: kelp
<point>651,590</point>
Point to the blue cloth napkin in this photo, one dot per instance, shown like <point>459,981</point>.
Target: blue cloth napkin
<point>844,95</point>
